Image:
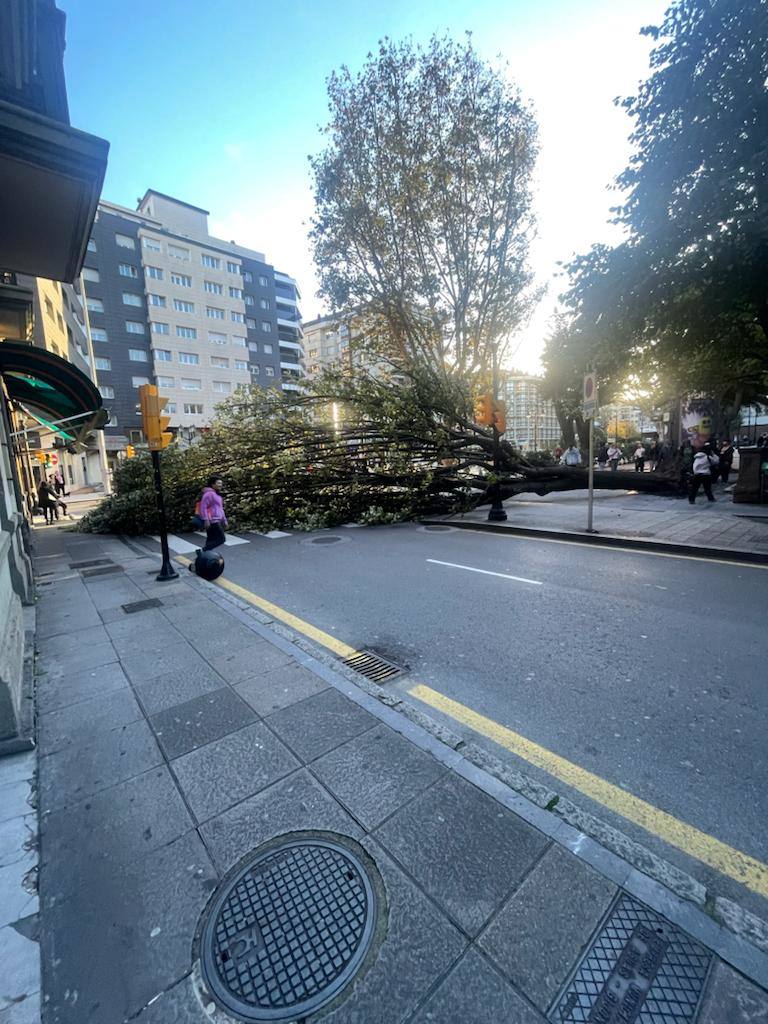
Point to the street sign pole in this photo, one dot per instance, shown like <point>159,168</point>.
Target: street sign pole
<point>496,513</point>
<point>167,572</point>
<point>591,498</point>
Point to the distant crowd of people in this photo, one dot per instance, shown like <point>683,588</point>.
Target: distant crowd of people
<point>50,492</point>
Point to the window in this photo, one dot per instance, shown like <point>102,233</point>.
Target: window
<point>220,362</point>
<point>138,355</point>
<point>152,244</point>
<point>166,382</point>
<point>263,281</point>
<point>241,364</point>
<point>235,293</point>
<point>183,307</point>
<point>233,268</point>
<point>213,313</point>
<point>157,300</point>
<point>222,386</point>
<point>162,355</point>
<point>186,332</point>
<point>134,327</point>
<point>106,391</point>
<point>136,382</point>
<point>92,245</point>
<point>131,299</point>
<point>211,261</point>
<point>270,371</point>
<point>95,305</point>
<point>155,272</point>
<point>253,346</point>
<point>178,253</point>
<point>240,342</point>
<point>189,357</point>
<point>159,328</point>
<point>183,280</point>
<point>264,303</point>
<point>49,308</point>
<point>266,326</point>
<point>103,364</point>
<point>247,276</point>
<point>235,317</point>
<point>249,300</point>
<point>192,409</point>
<point>250,323</point>
<point>125,241</point>
<point>213,287</point>
<point>268,349</point>
<point>255,371</point>
<point>313,353</point>
<point>112,421</point>
<point>91,274</point>
<point>217,339</point>
<point>99,334</point>
<point>190,384</point>
<point>170,407</point>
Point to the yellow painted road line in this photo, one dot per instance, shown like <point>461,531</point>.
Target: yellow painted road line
<point>705,848</point>
<point>587,545</point>
<point>318,635</point>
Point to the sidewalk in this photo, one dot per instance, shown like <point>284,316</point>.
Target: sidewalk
<point>177,738</point>
<point>721,528</point>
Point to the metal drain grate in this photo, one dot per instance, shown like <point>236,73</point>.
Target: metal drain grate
<point>286,935</point>
<point>639,970</point>
<point>140,606</point>
<point>372,666</point>
<point>104,570</point>
<point>90,562</point>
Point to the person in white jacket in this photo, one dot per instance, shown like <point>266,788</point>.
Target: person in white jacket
<point>704,462</point>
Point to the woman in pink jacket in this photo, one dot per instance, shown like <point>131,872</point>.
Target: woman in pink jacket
<point>212,514</point>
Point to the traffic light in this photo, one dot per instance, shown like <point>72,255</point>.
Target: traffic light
<point>40,456</point>
<point>153,423</point>
<point>484,410</point>
<point>130,451</point>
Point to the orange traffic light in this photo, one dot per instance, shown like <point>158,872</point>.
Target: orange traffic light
<point>153,423</point>
<point>484,410</point>
<point>130,451</point>
<point>40,456</point>
<point>500,416</point>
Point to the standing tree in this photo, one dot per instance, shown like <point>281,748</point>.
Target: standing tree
<point>423,204</point>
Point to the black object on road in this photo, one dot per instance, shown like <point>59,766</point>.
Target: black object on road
<point>209,565</point>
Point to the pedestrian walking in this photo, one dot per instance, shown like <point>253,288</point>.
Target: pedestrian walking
<point>614,454</point>
<point>639,457</point>
<point>46,499</point>
<point>704,462</point>
<point>572,456</point>
<point>726,461</point>
<point>654,454</point>
<point>602,456</point>
<point>558,453</point>
<point>58,483</point>
<point>212,514</point>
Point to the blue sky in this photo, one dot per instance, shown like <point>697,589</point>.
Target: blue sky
<point>219,101</point>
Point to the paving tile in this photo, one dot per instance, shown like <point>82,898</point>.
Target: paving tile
<point>17,834</point>
<point>464,848</point>
<point>76,723</point>
<point>731,999</point>
<point>543,929</point>
<point>223,773</point>
<point>201,720</point>
<point>28,1010</point>
<point>150,641</point>
<point>74,641</point>
<point>56,665</point>
<point>122,823</point>
<point>235,638</point>
<point>177,687</point>
<point>475,992</point>
<point>376,773</point>
<point>127,937</point>
<point>179,1005</point>
<point>20,958</point>
<point>112,591</point>
<point>279,688</point>
<point>318,724</point>
<point>420,944</point>
<point>296,803</point>
<point>59,692</point>
<point>15,799</point>
<point>141,624</point>
<point>143,665</point>
<point>17,767</point>
<point>77,772</point>
<point>16,901</point>
<point>69,618</point>
<point>237,666</point>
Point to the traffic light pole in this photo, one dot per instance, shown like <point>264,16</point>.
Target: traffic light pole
<point>496,513</point>
<point>167,572</point>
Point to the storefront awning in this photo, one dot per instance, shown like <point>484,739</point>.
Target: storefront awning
<point>50,385</point>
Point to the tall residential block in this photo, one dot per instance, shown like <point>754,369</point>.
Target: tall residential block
<point>170,304</point>
<point>531,420</point>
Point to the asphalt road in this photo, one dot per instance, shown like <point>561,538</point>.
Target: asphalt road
<point>649,671</point>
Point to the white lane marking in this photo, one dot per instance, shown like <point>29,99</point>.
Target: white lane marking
<point>230,542</point>
<point>181,547</point>
<point>486,572</point>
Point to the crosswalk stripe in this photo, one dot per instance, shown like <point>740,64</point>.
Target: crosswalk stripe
<point>177,544</point>
<point>230,542</point>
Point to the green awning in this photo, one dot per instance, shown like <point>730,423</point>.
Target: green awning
<point>50,385</point>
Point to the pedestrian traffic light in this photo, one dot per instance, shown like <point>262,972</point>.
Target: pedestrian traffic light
<point>153,423</point>
<point>484,410</point>
<point>130,451</point>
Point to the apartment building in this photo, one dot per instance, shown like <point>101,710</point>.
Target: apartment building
<point>170,304</point>
<point>531,421</point>
<point>326,343</point>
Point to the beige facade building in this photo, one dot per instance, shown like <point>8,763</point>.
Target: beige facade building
<point>326,343</point>
<point>531,421</point>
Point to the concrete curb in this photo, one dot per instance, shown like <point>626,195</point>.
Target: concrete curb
<point>734,934</point>
<point>611,540</point>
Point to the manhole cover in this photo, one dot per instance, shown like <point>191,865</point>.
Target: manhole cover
<point>289,931</point>
<point>435,529</point>
<point>325,540</point>
<point>639,970</point>
<point>140,606</point>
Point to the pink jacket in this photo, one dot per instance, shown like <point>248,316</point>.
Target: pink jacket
<point>211,506</point>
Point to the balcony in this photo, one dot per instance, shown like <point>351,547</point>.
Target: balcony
<point>291,367</point>
<point>295,346</point>
<point>290,325</point>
